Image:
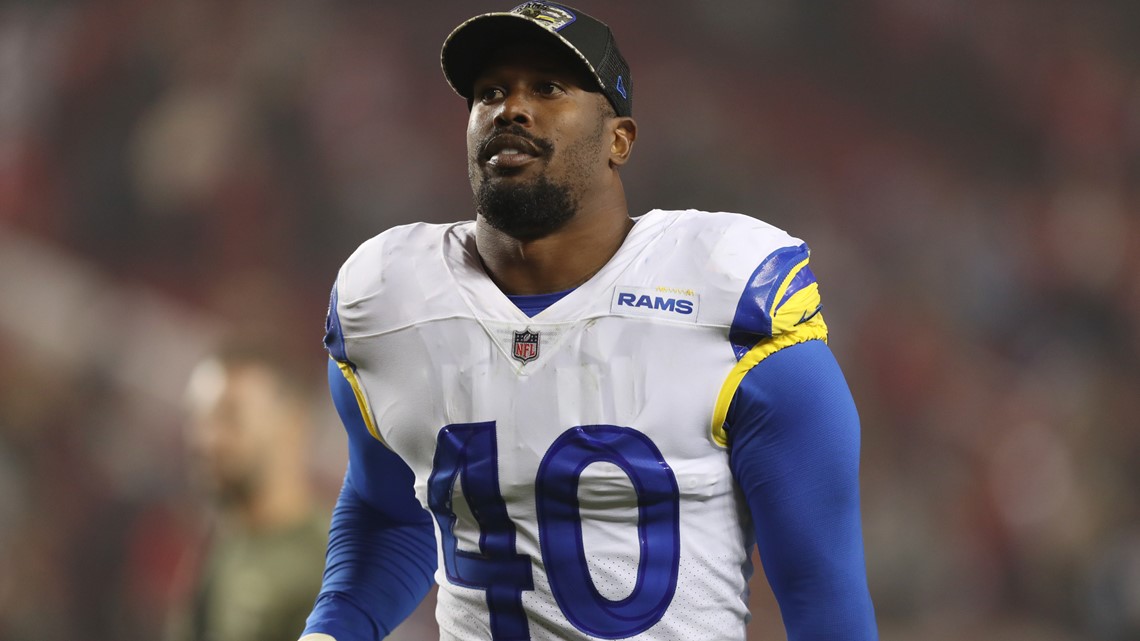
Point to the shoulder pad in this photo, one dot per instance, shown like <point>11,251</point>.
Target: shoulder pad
<point>781,294</point>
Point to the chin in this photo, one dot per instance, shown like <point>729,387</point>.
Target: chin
<point>525,209</point>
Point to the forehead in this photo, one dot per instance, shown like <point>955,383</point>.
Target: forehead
<point>535,56</point>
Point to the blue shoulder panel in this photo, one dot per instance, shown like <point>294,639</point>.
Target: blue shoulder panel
<point>334,337</point>
<point>753,320</point>
<point>802,279</point>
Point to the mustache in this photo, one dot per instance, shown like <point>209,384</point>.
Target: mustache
<point>544,146</point>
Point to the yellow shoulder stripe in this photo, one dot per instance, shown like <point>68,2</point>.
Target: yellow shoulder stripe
<point>784,285</point>
<point>361,400</point>
<point>814,329</point>
<point>800,308</point>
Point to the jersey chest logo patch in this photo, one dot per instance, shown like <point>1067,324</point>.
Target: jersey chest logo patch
<point>526,345</point>
<point>528,350</point>
<point>658,302</point>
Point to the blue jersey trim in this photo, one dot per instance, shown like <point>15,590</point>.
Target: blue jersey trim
<point>534,304</point>
<point>334,335</point>
<point>753,319</point>
<point>802,279</point>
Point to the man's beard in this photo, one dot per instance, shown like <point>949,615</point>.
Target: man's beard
<point>525,211</point>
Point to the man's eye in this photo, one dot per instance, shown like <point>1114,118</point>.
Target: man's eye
<point>548,89</point>
<point>490,94</point>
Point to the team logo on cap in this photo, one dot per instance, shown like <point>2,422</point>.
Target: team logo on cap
<point>551,16</point>
<point>526,346</point>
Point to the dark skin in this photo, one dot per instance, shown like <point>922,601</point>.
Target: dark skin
<point>535,87</point>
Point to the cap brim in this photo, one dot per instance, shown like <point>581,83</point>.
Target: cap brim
<point>469,44</point>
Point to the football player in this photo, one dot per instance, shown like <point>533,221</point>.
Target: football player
<point>575,421</point>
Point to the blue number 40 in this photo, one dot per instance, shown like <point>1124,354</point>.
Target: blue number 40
<point>467,452</point>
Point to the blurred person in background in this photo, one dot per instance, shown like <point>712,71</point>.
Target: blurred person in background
<point>249,437</point>
<point>974,166</point>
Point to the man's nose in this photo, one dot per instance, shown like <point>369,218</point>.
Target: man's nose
<point>516,108</point>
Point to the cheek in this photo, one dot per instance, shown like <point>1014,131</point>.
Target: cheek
<point>231,445</point>
<point>585,149</point>
<point>586,132</point>
<point>472,141</point>
<point>476,128</point>
<point>253,431</point>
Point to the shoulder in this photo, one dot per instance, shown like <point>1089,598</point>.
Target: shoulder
<point>715,225</point>
<point>376,287</point>
<point>719,227</point>
<point>763,292</point>
<point>729,247</point>
<point>375,263</point>
<point>750,270</point>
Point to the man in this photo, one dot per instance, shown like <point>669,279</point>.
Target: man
<point>594,415</point>
<point>248,435</point>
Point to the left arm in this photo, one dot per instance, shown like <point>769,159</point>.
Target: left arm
<point>794,450</point>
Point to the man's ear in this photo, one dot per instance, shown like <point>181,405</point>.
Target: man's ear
<point>624,133</point>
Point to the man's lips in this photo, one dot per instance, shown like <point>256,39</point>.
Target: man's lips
<point>509,151</point>
<point>509,159</point>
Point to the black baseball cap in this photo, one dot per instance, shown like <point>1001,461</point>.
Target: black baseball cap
<point>591,40</point>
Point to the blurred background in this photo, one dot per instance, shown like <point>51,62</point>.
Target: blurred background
<point>967,173</point>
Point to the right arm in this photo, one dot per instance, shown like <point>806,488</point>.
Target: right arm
<point>381,554</point>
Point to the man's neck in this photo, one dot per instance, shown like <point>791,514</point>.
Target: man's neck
<point>557,262</point>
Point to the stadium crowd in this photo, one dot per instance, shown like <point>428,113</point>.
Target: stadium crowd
<point>967,174</point>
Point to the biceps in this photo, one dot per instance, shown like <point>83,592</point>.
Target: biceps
<point>795,454</point>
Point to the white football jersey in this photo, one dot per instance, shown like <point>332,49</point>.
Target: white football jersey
<point>575,462</point>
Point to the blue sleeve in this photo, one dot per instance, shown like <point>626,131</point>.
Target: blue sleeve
<point>794,450</point>
<point>381,555</point>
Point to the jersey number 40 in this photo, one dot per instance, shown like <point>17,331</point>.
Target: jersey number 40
<point>467,452</point>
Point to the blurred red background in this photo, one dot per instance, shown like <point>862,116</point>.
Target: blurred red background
<point>967,174</point>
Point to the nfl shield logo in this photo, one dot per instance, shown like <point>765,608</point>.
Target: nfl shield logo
<point>526,346</point>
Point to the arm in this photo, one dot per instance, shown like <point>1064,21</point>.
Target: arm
<point>794,450</point>
<point>381,553</point>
